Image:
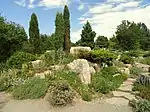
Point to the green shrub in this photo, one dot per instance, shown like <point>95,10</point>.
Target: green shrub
<point>146,61</point>
<point>85,93</point>
<point>103,57</point>
<point>126,59</point>
<point>107,80</point>
<point>18,58</point>
<point>84,54</point>
<point>74,81</point>
<point>10,79</point>
<point>142,106</point>
<point>134,71</point>
<point>147,54</point>
<point>144,91</point>
<point>32,89</point>
<point>118,63</point>
<point>134,53</point>
<point>61,94</point>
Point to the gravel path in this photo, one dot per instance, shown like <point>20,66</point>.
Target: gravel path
<point>43,106</point>
<point>115,104</point>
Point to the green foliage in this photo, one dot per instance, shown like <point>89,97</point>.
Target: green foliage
<point>126,59</point>
<point>67,41</point>
<point>146,61</point>
<point>107,80</point>
<point>34,33</point>
<point>12,37</point>
<point>142,106</point>
<point>101,42</point>
<point>85,93</point>
<point>132,36</point>
<point>87,36</point>
<point>11,78</point>
<point>18,58</point>
<point>56,57</point>
<point>47,42</point>
<point>32,89</point>
<point>147,54</point>
<point>74,81</point>
<point>134,71</point>
<point>103,56</point>
<point>144,91</point>
<point>61,94</point>
<point>59,31</point>
<point>134,53</point>
<point>84,54</point>
<point>118,63</point>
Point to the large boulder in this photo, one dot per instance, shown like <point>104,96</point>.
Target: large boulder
<point>76,50</point>
<point>144,67</point>
<point>82,67</point>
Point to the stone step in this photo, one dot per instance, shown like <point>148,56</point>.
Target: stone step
<point>127,88</point>
<point>125,95</point>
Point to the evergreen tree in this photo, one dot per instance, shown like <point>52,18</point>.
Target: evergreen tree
<point>101,42</point>
<point>67,29</point>
<point>59,31</point>
<point>34,33</point>
<point>87,36</point>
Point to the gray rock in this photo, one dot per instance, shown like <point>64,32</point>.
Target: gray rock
<point>75,50</point>
<point>81,66</point>
<point>144,67</point>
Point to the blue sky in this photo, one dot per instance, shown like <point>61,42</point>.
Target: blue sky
<point>104,15</point>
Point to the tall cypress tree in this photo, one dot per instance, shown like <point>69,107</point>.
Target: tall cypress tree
<point>59,31</point>
<point>87,36</point>
<point>67,29</point>
<point>34,34</point>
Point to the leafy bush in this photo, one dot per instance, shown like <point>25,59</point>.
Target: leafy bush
<point>74,81</point>
<point>142,106</point>
<point>85,93</point>
<point>56,57</point>
<point>118,63</point>
<point>126,59</point>
<point>11,78</point>
<point>103,56</point>
<point>146,61</point>
<point>134,53</point>
<point>18,58</point>
<point>107,80</point>
<point>147,54</point>
<point>84,54</point>
<point>144,91</point>
<point>61,94</point>
<point>32,89</point>
<point>134,71</point>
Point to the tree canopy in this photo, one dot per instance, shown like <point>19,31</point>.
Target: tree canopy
<point>87,36</point>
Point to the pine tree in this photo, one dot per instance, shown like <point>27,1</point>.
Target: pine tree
<point>101,42</point>
<point>67,29</point>
<point>59,31</point>
<point>87,36</point>
<point>34,34</point>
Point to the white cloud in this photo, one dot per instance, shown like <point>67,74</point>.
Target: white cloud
<point>117,0</point>
<point>81,7</point>
<point>105,17</point>
<point>21,3</point>
<point>53,3</point>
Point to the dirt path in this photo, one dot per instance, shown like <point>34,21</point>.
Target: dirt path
<point>43,106</point>
<point>119,103</point>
